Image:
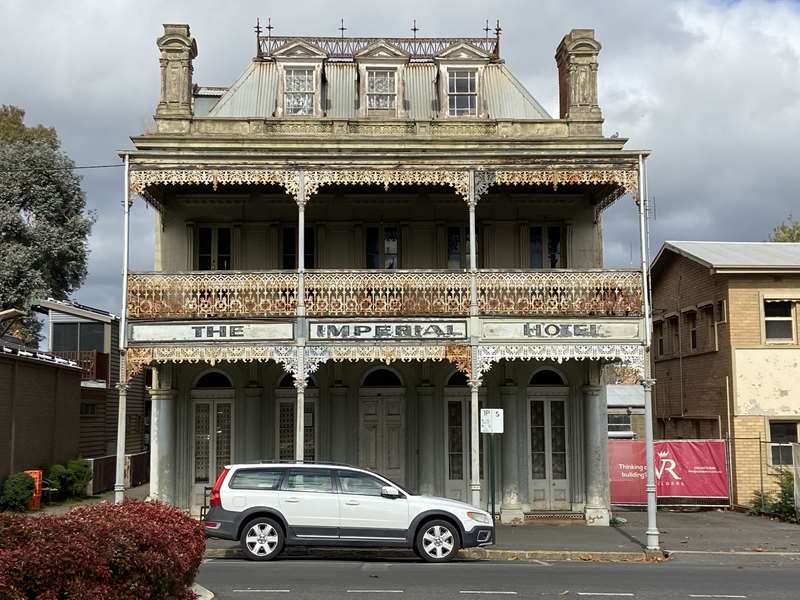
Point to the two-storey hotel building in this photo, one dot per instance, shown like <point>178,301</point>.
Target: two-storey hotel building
<point>360,243</point>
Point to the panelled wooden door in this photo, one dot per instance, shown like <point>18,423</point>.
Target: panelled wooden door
<point>547,451</point>
<point>381,437</point>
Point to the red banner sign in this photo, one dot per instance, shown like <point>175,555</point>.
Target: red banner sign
<point>683,469</point>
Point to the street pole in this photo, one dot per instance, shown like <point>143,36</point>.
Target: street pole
<point>651,534</point>
<point>491,466</point>
<point>122,386</point>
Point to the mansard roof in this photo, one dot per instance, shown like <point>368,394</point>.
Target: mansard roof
<point>255,93</point>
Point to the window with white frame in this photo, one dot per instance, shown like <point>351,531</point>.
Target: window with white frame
<point>381,89</point>
<point>619,421</point>
<point>299,92</point>
<point>462,93</point>
<point>778,321</point>
<point>782,434</point>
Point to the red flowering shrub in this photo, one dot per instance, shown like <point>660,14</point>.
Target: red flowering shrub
<point>105,551</point>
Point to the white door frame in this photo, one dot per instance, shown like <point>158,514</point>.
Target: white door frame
<point>546,394</point>
<point>381,393</point>
<point>463,394</point>
<point>211,397</point>
<point>289,395</point>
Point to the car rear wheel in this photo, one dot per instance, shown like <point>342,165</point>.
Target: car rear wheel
<point>262,539</point>
<point>437,541</point>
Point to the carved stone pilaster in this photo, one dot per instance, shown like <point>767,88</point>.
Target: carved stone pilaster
<point>177,49</point>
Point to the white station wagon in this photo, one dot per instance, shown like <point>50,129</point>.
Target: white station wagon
<point>267,506</point>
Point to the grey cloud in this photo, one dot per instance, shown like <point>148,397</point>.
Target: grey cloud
<point>709,86</point>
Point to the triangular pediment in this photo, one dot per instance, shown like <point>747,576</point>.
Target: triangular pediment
<point>299,49</point>
<point>463,51</point>
<point>381,49</point>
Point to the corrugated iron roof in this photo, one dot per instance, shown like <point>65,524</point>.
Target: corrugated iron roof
<point>420,83</point>
<point>624,395</point>
<point>341,90</point>
<point>253,95</point>
<point>738,256</point>
<point>507,98</point>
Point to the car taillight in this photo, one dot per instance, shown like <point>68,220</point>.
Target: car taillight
<point>215,499</point>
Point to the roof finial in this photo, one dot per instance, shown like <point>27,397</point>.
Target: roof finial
<point>487,29</point>
<point>257,29</point>
<point>415,29</point>
<point>342,28</point>
<point>497,31</point>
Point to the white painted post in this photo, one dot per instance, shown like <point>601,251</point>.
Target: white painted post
<point>122,386</point>
<point>474,437</point>
<point>475,382</point>
<point>300,379</point>
<point>300,407</point>
<point>652,533</point>
<point>796,463</point>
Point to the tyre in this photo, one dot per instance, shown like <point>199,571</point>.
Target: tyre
<point>437,541</point>
<point>262,539</point>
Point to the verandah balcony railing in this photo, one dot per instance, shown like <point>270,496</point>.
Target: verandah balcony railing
<point>93,364</point>
<point>369,293</point>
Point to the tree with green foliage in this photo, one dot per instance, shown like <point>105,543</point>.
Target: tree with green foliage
<point>44,223</point>
<point>788,231</point>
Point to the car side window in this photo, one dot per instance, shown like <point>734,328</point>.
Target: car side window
<point>256,479</point>
<point>353,482</point>
<point>308,480</point>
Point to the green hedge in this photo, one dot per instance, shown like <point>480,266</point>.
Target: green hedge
<point>17,491</point>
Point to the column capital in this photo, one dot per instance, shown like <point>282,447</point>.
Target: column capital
<point>591,390</point>
<point>163,394</point>
<point>648,384</point>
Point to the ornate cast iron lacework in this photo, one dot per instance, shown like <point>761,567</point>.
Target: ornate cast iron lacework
<point>458,180</point>
<point>458,355</point>
<point>209,294</point>
<point>138,357</point>
<point>347,47</point>
<point>631,355</point>
<point>375,293</point>
<point>563,293</point>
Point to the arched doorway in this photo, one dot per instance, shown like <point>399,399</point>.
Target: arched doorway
<point>457,436</point>
<point>213,432</point>
<point>548,458</point>
<point>285,405</point>
<point>381,431</point>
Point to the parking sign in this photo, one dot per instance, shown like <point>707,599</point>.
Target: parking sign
<point>491,420</point>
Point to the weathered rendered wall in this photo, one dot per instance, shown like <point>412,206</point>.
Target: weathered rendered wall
<point>340,224</point>
<point>767,382</point>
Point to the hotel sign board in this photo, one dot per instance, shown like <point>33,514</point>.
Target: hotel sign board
<point>210,331</point>
<point>562,330</point>
<point>455,329</point>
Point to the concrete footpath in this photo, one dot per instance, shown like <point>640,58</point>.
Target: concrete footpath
<point>706,532</point>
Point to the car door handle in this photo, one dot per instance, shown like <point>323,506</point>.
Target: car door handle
<point>352,502</point>
<point>293,500</point>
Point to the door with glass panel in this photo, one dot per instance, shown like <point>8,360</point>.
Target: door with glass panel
<point>214,248</point>
<point>212,439</point>
<point>547,448</point>
<point>458,461</point>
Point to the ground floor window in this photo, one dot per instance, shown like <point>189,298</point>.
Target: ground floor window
<point>782,435</point>
<point>619,422</point>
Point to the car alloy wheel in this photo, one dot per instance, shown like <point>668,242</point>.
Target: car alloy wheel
<point>437,541</point>
<point>262,539</point>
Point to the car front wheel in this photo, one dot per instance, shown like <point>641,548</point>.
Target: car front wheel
<point>437,541</point>
<point>262,539</point>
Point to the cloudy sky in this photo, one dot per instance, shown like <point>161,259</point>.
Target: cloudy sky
<point>711,87</point>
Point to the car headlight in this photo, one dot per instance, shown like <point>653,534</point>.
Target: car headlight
<point>479,517</point>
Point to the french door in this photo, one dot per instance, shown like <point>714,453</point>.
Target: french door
<point>214,248</point>
<point>212,439</point>
<point>547,446</point>
<point>457,434</point>
<point>381,446</point>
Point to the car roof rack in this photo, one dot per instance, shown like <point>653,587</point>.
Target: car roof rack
<point>275,461</point>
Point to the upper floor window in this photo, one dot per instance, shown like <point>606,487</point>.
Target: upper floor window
<point>381,90</point>
<point>299,95</point>
<point>214,248</point>
<point>462,93</point>
<point>545,248</point>
<point>778,321</point>
<point>383,247</point>
<point>76,337</point>
<point>289,248</point>
<point>658,333</point>
<point>691,325</point>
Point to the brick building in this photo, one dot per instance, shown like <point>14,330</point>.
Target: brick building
<point>726,351</point>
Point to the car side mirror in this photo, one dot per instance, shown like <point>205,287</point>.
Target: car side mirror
<point>389,491</point>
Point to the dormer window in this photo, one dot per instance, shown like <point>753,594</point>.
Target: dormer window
<point>299,95</point>
<point>462,93</point>
<point>381,89</point>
